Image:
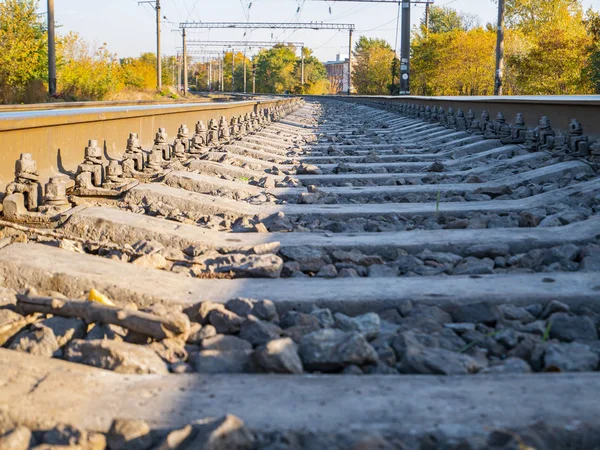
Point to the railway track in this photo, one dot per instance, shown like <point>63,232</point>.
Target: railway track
<point>315,275</point>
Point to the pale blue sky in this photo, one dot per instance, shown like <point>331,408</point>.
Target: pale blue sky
<point>129,28</point>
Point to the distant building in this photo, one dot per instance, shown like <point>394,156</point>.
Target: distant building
<point>337,73</point>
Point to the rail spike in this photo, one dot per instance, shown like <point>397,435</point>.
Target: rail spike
<point>213,133</point>
<point>161,144</point>
<point>181,145</point>
<point>199,140</point>
<point>22,200</point>
<point>450,118</point>
<point>461,121</point>
<point>434,114</point>
<point>497,129</point>
<point>234,129</point>
<point>442,118</point>
<point>427,113</point>
<point>26,182</point>
<point>518,131</point>
<point>95,178</point>
<point>224,132</point>
<point>573,144</point>
<point>134,158</point>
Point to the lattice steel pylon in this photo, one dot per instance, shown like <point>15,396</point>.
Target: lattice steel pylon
<point>242,43</point>
<point>285,26</point>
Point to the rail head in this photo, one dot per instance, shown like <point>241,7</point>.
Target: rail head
<point>559,109</point>
<point>22,120</point>
<point>580,100</point>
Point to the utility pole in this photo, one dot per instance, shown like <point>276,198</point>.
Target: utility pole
<point>245,81</point>
<point>499,49</point>
<point>51,50</point>
<point>253,78</point>
<point>223,72</point>
<point>302,70</point>
<point>209,83</point>
<point>350,64</point>
<point>158,54</point>
<point>395,65</point>
<point>232,70</point>
<point>405,50</point>
<point>427,19</point>
<point>179,73</point>
<point>156,5</point>
<point>185,67</point>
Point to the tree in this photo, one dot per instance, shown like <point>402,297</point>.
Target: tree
<point>532,15</point>
<point>315,75</point>
<point>200,72</point>
<point>549,49</point>
<point>238,71</point>
<point>169,71</point>
<point>372,71</point>
<point>139,72</point>
<point>592,23</point>
<point>23,55</point>
<point>453,63</point>
<point>443,19</point>
<point>241,62</point>
<point>275,69</point>
<point>557,50</point>
<point>87,73</point>
<point>395,71</point>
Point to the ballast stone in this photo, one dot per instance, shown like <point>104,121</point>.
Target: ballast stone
<point>570,357</point>
<point>421,359</point>
<point>117,356</point>
<point>224,342</point>
<point>129,434</point>
<point>569,328</point>
<point>367,324</point>
<point>330,350</point>
<point>216,361</point>
<point>279,356</point>
<point>259,332</point>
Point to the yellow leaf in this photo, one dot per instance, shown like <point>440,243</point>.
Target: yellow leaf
<point>98,297</point>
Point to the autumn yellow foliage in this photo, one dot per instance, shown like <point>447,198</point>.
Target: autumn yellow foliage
<point>84,71</point>
<point>548,51</point>
<point>23,59</point>
<point>551,48</point>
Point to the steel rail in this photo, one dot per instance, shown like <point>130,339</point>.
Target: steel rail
<point>560,109</point>
<point>57,138</point>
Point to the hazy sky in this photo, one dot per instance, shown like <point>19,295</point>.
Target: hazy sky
<point>129,29</point>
